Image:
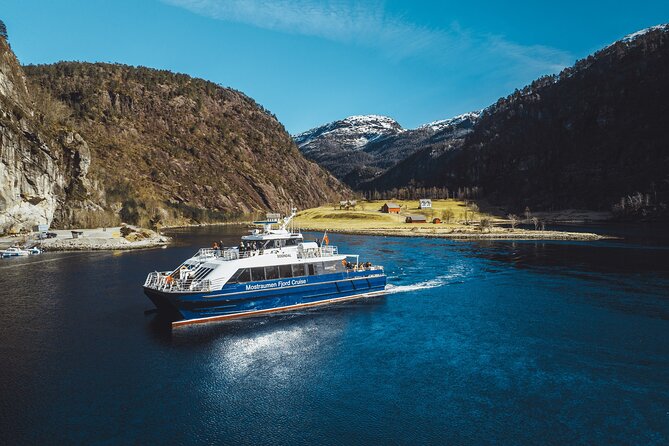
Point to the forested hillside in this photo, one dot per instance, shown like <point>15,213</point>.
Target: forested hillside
<point>595,136</point>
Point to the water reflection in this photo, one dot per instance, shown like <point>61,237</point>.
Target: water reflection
<point>276,352</point>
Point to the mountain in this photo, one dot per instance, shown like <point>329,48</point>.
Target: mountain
<point>43,168</point>
<point>93,144</point>
<point>587,138</point>
<point>340,146</point>
<point>359,148</point>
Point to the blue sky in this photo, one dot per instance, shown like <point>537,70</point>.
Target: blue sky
<point>312,62</point>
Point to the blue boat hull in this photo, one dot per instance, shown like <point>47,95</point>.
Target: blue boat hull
<point>258,298</point>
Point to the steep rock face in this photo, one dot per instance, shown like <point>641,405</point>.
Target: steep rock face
<point>31,183</point>
<point>585,138</point>
<point>43,161</point>
<point>169,148</point>
<point>360,148</point>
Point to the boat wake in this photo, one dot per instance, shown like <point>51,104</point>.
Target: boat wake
<point>455,275</point>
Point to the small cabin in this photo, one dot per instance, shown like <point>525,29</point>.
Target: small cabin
<point>390,208</point>
<point>425,203</point>
<point>436,221</point>
<point>347,204</point>
<point>415,219</point>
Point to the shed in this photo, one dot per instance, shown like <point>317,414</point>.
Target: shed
<point>415,219</point>
<point>425,203</point>
<point>347,204</point>
<point>390,208</point>
<point>436,221</point>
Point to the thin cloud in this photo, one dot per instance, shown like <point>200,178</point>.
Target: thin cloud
<point>369,25</point>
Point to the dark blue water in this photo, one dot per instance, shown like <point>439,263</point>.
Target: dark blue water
<point>477,343</point>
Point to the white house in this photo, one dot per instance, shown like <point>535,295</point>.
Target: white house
<point>425,203</point>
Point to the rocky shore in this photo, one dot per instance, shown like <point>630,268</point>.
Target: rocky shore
<point>116,238</point>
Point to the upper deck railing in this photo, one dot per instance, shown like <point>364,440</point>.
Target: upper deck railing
<point>205,254</point>
<point>323,251</point>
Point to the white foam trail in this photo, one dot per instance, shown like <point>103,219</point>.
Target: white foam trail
<point>432,283</point>
<point>456,274</point>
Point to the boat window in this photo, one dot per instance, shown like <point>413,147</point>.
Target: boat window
<point>245,275</point>
<point>242,275</point>
<point>312,271</point>
<point>257,274</point>
<point>299,270</point>
<point>329,267</point>
<point>271,272</point>
<point>286,271</point>
<point>292,242</point>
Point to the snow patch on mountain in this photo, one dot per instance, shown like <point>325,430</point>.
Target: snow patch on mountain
<point>632,37</point>
<point>353,132</point>
<point>454,121</point>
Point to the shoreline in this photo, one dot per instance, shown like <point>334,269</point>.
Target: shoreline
<point>456,234</point>
<point>96,239</point>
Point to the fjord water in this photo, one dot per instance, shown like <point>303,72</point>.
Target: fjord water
<point>476,343</point>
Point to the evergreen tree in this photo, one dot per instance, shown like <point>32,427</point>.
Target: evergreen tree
<point>3,29</point>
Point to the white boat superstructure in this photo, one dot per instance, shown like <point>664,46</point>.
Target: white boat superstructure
<point>211,268</point>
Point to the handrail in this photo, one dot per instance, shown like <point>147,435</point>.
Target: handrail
<point>323,251</point>
<point>234,254</point>
<point>159,281</point>
<point>226,254</point>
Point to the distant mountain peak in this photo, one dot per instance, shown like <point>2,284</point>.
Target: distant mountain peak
<point>361,147</point>
<point>632,37</point>
<point>354,132</point>
<point>456,120</point>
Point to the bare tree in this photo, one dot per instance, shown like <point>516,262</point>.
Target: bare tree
<point>528,214</point>
<point>513,218</point>
<point>485,224</point>
<point>535,222</point>
<point>470,211</point>
<point>447,215</point>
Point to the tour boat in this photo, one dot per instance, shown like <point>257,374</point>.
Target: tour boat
<point>271,270</point>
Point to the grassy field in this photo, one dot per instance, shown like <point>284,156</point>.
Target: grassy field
<point>367,215</point>
<point>459,221</point>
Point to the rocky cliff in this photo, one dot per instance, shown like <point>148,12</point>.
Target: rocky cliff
<point>96,144</point>
<point>40,167</point>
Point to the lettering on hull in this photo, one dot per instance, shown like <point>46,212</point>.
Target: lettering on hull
<point>277,284</point>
